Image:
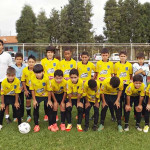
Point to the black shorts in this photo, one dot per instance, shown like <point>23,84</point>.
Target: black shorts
<point>135,100</point>
<point>74,101</point>
<point>29,97</point>
<point>110,99</point>
<point>146,100</point>
<point>41,99</point>
<point>9,100</point>
<point>59,97</point>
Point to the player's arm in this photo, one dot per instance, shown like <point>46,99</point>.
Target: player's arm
<point>64,97</point>
<point>2,102</point>
<point>16,100</point>
<point>128,107</point>
<point>148,104</point>
<point>34,99</point>
<point>118,99</point>
<point>103,100</point>
<point>49,100</point>
<point>139,107</point>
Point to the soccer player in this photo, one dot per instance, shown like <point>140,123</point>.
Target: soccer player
<point>59,92</point>
<point>92,96</point>
<point>74,93</point>
<point>135,94</point>
<point>68,63</point>
<point>19,66</point>
<point>123,70</point>
<point>40,87</point>
<point>50,64</point>
<point>26,80</point>
<point>105,69</point>
<point>111,91</point>
<point>10,89</point>
<point>5,62</point>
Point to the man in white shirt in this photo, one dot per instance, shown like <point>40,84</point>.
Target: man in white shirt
<point>5,62</point>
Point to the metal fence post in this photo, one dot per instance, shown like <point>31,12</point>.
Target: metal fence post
<point>23,51</point>
<point>131,52</point>
<point>77,51</point>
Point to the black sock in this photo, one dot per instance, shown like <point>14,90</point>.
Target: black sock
<point>54,116</point>
<point>62,117</point>
<point>28,109</point>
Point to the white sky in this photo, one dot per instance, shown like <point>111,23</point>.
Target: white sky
<point>10,11</point>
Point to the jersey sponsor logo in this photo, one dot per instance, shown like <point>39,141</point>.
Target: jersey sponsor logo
<point>93,97</point>
<point>126,68</point>
<point>104,72</point>
<point>50,70</point>
<point>51,77</point>
<point>102,78</point>
<point>40,90</point>
<point>11,93</point>
<point>84,75</point>
<point>123,74</point>
<point>74,93</point>
<point>15,86</point>
<point>71,65</point>
<point>43,83</point>
<point>88,69</point>
<point>54,64</point>
<point>108,66</point>
<point>67,71</point>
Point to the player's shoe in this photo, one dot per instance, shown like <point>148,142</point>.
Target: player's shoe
<point>8,120</point>
<point>138,128</point>
<point>62,127</point>
<point>101,127</point>
<point>126,127</point>
<point>146,128</point>
<point>45,118</point>
<point>69,127</point>
<point>1,127</point>
<point>57,118</point>
<point>29,119</point>
<point>15,120</point>
<point>36,128</point>
<point>94,127</point>
<point>55,126</point>
<point>79,128</point>
<point>51,128</point>
<point>120,129</point>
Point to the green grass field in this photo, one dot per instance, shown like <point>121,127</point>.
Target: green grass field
<point>109,139</point>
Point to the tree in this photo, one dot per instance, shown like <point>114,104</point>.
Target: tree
<point>25,25</point>
<point>99,38</point>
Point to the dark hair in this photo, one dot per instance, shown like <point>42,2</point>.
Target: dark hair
<point>92,84</point>
<point>85,53</point>
<point>32,57</point>
<point>67,48</point>
<point>114,82</point>
<point>1,41</point>
<point>140,55</point>
<point>138,77</point>
<point>104,51</point>
<point>11,71</point>
<point>51,48</point>
<point>38,68</point>
<point>123,52</point>
<point>58,73</point>
<point>19,55</point>
<point>74,71</point>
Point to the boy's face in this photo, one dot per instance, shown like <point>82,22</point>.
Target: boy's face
<point>105,56</point>
<point>31,63</point>
<point>18,60</point>
<point>11,77</point>
<point>50,54</point>
<point>67,54</point>
<point>141,61</point>
<point>58,79</point>
<point>123,57</point>
<point>85,59</point>
<point>39,75</point>
<point>1,46</point>
<point>74,78</point>
<point>137,84</point>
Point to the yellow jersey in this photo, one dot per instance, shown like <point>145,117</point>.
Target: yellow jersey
<point>106,88</point>
<point>26,75</point>
<point>41,87</point>
<point>10,88</point>
<point>104,70</point>
<point>123,71</point>
<point>66,66</point>
<point>75,89</point>
<point>148,91</point>
<point>132,91</point>
<point>85,70</point>
<point>50,66</point>
<point>58,88</point>
<point>91,94</point>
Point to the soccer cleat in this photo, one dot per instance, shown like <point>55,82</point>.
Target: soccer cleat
<point>8,120</point>
<point>86,128</point>
<point>126,127</point>
<point>101,127</point>
<point>138,128</point>
<point>1,127</point>
<point>51,128</point>
<point>62,126</point>
<point>29,119</point>
<point>15,120</point>
<point>57,118</point>
<point>94,127</point>
<point>120,129</point>
<point>146,128</point>
<point>79,128</point>
<point>69,127</point>
<point>55,126</point>
<point>45,118</point>
<point>36,128</point>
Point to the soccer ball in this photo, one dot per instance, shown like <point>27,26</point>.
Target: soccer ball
<point>24,128</point>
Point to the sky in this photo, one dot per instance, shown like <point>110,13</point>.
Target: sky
<point>10,11</point>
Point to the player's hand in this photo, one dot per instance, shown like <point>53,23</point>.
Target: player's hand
<point>2,107</point>
<point>21,88</point>
<point>79,104</point>
<point>96,104</point>
<point>68,104</point>
<point>87,104</point>
<point>148,107</point>
<point>138,108</point>
<point>55,105</point>
<point>17,105</point>
<point>26,93</point>
<point>62,104</point>
<point>104,104</point>
<point>128,108</point>
<point>117,104</point>
<point>35,103</point>
<point>49,103</point>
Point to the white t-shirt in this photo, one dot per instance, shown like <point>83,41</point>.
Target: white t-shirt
<point>5,61</point>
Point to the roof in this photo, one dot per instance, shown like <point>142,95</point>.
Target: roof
<point>9,39</point>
